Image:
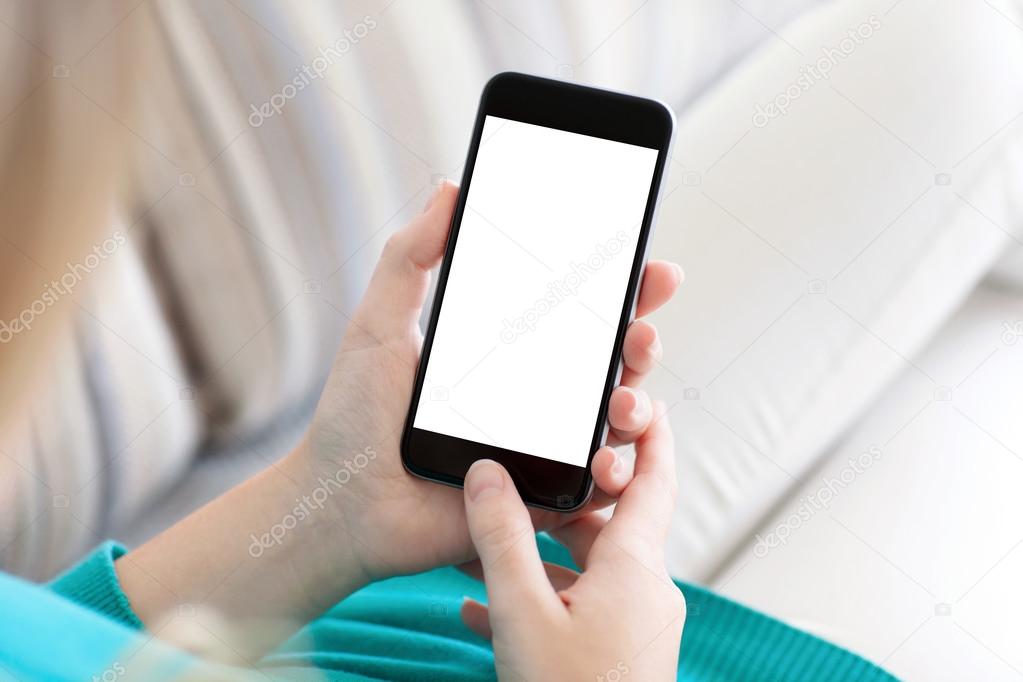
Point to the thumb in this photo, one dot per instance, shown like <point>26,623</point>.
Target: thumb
<point>505,540</point>
<point>401,279</point>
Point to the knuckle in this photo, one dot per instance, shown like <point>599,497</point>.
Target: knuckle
<point>393,244</point>
<point>499,533</point>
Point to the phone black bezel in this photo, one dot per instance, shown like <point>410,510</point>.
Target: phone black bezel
<point>574,108</point>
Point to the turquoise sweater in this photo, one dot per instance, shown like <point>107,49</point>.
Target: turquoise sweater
<point>81,627</point>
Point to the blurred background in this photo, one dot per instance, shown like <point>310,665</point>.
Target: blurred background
<point>193,195</point>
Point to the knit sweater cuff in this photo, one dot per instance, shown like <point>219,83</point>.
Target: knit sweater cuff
<point>93,584</point>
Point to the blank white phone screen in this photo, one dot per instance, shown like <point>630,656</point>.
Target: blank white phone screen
<point>536,289</point>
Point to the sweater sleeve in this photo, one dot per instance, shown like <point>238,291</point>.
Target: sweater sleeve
<point>93,583</point>
<point>81,627</point>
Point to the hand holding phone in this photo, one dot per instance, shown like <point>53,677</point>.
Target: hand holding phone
<point>394,523</point>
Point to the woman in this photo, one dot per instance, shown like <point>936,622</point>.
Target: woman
<point>226,576</point>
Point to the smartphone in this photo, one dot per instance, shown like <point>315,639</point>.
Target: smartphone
<point>538,285</point>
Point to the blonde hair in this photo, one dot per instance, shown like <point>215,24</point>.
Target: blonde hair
<point>62,155</point>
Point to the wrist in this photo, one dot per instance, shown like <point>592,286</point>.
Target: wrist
<point>259,553</point>
<point>315,528</point>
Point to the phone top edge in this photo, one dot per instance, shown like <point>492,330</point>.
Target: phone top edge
<point>666,109</point>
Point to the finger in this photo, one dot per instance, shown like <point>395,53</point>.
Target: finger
<point>401,279</point>
<point>476,617</point>
<point>578,536</point>
<point>628,412</point>
<point>502,532</point>
<point>611,472</point>
<point>660,281</point>
<point>645,506</point>
<point>641,351</point>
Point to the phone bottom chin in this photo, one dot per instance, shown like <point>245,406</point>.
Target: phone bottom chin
<point>541,482</point>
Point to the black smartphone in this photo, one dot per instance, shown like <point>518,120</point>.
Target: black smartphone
<point>538,285</point>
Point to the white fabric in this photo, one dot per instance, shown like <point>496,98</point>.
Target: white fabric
<point>843,195</point>
<point>1008,272</point>
<point>914,560</point>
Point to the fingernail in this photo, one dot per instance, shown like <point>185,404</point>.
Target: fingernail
<point>679,273</point>
<point>483,480</point>
<point>619,464</point>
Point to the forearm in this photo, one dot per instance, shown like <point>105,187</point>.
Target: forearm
<point>267,556</point>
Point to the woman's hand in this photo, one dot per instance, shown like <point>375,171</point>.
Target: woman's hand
<point>340,510</point>
<point>621,616</point>
<point>396,523</point>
